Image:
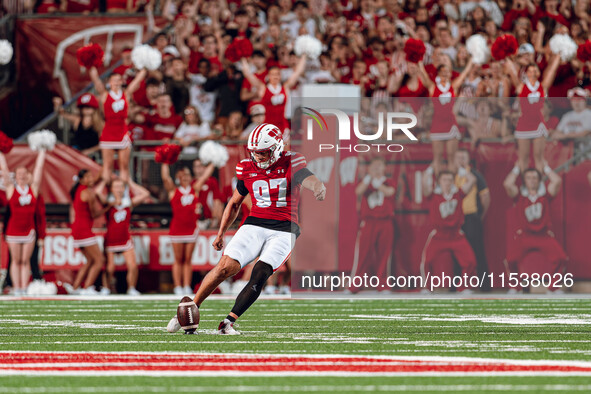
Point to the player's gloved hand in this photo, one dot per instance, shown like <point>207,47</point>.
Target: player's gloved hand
<point>320,191</point>
<point>218,244</point>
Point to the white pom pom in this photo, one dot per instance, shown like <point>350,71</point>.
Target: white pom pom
<point>144,56</point>
<point>42,140</point>
<point>212,152</point>
<point>478,49</point>
<point>5,52</point>
<point>308,45</point>
<point>563,45</point>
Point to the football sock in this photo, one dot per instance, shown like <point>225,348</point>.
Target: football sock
<point>231,318</point>
<point>260,273</point>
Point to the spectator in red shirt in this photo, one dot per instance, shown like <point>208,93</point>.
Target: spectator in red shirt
<point>164,122</point>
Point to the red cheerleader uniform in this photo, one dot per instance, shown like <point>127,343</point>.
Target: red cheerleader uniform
<point>21,224</point>
<point>444,126</point>
<point>413,97</point>
<point>183,226</point>
<point>274,100</point>
<point>82,225</point>
<point>114,135</point>
<point>531,122</point>
<point>118,238</point>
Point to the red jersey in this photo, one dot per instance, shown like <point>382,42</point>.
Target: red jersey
<point>533,212</point>
<point>374,205</point>
<point>446,212</point>
<point>345,66</point>
<point>22,212</point>
<point>82,225</point>
<point>163,127</point>
<point>443,102</point>
<point>274,197</point>
<point>210,191</point>
<point>531,103</point>
<point>274,100</point>
<point>411,97</point>
<point>184,212</point>
<point>118,222</point>
<point>115,111</point>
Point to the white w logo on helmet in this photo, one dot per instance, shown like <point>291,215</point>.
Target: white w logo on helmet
<point>265,138</point>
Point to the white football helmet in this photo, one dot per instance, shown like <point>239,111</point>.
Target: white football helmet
<point>265,137</point>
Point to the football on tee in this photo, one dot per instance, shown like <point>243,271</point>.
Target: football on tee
<point>188,315</point>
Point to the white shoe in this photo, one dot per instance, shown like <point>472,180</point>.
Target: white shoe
<point>133,292</point>
<point>285,290</point>
<point>89,291</point>
<point>425,291</point>
<point>226,327</point>
<point>70,289</point>
<point>105,291</point>
<point>3,275</point>
<point>173,325</point>
<point>513,291</point>
<point>466,292</point>
<point>179,291</point>
<point>270,289</point>
<point>187,290</point>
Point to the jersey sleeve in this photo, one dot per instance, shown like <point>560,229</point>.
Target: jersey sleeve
<point>239,170</point>
<point>298,161</point>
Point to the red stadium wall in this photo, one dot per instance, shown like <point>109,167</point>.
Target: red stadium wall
<point>153,251</point>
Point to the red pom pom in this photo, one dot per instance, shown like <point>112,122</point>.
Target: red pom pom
<point>414,50</point>
<point>167,154</point>
<point>584,51</point>
<point>244,47</point>
<point>5,143</point>
<point>90,55</point>
<point>231,54</point>
<point>239,48</point>
<point>504,46</point>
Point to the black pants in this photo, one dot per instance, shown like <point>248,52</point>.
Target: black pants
<point>35,271</point>
<point>475,235</point>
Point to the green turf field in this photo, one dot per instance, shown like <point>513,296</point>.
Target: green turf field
<point>525,329</point>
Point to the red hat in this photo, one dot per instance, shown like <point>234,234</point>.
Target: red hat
<point>87,100</point>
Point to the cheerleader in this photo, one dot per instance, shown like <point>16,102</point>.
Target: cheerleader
<point>185,205</point>
<point>531,125</point>
<point>21,197</point>
<point>82,215</point>
<point>274,95</point>
<point>445,134</point>
<point>114,104</point>
<point>118,238</point>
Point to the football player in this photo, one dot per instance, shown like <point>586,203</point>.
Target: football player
<point>273,178</point>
